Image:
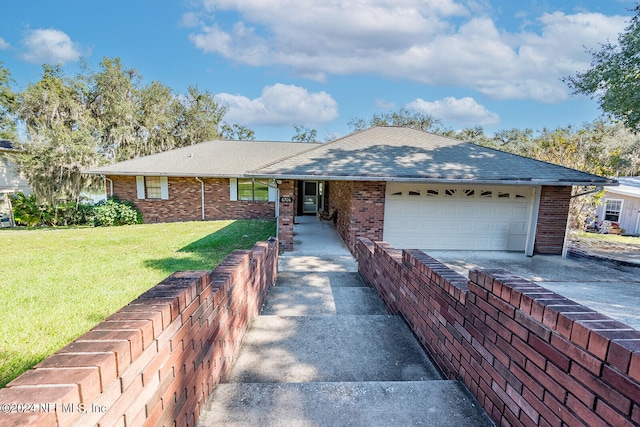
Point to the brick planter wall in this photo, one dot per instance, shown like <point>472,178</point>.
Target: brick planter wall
<point>185,201</point>
<point>155,361</point>
<point>531,357</point>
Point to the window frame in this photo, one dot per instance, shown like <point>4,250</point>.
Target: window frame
<point>252,191</point>
<point>152,188</point>
<point>142,189</point>
<point>606,213</point>
<point>259,192</point>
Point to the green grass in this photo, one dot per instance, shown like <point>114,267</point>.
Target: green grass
<point>56,284</point>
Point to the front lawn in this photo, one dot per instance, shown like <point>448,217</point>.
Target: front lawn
<point>56,284</point>
<point>606,238</point>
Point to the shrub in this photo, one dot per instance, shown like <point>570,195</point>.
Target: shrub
<point>72,213</point>
<point>27,211</point>
<point>113,212</point>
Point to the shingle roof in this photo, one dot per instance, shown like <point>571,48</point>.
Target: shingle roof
<point>208,159</point>
<point>629,186</point>
<point>403,154</point>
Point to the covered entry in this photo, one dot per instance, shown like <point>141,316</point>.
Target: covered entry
<point>455,217</point>
<point>312,200</point>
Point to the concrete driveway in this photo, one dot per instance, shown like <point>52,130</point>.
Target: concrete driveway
<point>604,287</point>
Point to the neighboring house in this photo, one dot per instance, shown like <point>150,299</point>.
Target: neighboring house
<point>410,188</point>
<point>10,181</point>
<point>622,205</point>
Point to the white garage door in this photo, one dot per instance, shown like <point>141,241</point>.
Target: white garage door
<point>422,216</point>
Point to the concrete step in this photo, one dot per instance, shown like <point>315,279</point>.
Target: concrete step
<point>319,279</point>
<point>367,404</point>
<point>330,348</point>
<point>317,263</point>
<point>309,300</point>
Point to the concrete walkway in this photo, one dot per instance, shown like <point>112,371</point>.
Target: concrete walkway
<point>324,352</point>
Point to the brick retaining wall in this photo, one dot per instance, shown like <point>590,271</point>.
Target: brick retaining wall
<point>155,361</point>
<point>531,357</point>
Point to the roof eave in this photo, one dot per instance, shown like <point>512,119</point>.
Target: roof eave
<point>173,175</point>
<point>508,181</point>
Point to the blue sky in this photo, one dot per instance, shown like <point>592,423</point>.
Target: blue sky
<point>320,64</point>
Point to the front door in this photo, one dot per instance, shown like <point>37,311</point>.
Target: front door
<point>310,197</point>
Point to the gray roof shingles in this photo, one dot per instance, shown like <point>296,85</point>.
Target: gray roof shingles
<point>378,154</point>
<point>403,154</point>
<point>208,159</point>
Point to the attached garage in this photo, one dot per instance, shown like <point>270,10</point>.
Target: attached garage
<point>460,217</point>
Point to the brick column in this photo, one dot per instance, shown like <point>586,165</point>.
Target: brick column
<point>552,220</point>
<point>287,215</point>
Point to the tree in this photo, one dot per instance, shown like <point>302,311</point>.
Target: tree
<point>475,135</point>
<point>76,123</point>
<point>60,137</point>
<point>237,132</point>
<point>7,106</point>
<point>113,104</point>
<point>304,134</point>
<point>401,118</point>
<point>614,76</point>
<point>198,116</point>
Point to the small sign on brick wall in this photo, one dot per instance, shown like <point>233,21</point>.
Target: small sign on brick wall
<point>286,199</point>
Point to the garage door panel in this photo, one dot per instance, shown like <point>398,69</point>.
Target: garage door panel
<point>465,226</point>
<point>459,221</point>
<point>519,227</point>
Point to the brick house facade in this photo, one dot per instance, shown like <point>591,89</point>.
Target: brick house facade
<point>381,181</point>
<point>185,201</point>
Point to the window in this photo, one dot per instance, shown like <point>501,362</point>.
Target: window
<point>152,187</point>
<point>253,191</point>
<point>612,210</point>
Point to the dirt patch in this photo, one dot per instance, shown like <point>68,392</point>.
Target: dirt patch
<point>594,247</point>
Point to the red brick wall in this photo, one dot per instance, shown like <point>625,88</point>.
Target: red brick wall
<point>287,215</point>
<point>155,361</point>
<point>360,206</point>
<point>339,198</point>
<point>185,201</point>
<point>552,220</point>
<point>530,357</point>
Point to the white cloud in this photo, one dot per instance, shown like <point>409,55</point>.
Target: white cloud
<point>4,44</point>
<point>50,46</point>
<point>465,112</point>
<point>191,20</point>
<point>280,105</point>
<point>385,105</point>
<point>438,42</point>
